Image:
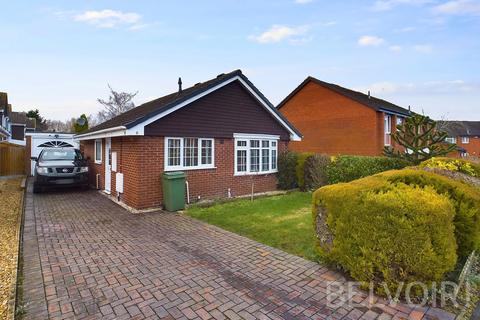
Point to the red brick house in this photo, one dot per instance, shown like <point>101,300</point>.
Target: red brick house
<point>223,133</point>
<point>336,120</point>
<point>466,134</point>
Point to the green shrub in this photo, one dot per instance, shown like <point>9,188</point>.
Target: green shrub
<point>450,164</point>
<point>465,198</point>
<point>287,163</point>
<point>349,168</point>
<point>315,171</point>
<point>300,168</point>
<point>382,234</point>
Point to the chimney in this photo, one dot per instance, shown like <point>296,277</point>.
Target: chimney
<point>179,85</point>
<point>368,94</point>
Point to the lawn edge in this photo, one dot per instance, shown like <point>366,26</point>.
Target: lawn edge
<point>12,302</point>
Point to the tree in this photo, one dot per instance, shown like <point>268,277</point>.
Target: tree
<point>118,103</point>
<point>40,121</point>
<point>81,124</point>
<point>419,139</point>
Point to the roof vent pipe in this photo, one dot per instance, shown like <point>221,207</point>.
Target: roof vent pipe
<point>179,85</point>
<point>368,94</point>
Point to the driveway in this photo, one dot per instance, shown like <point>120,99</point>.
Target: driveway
<point>85,257</point>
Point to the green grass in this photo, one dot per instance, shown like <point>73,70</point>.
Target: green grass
<point>283,222</point>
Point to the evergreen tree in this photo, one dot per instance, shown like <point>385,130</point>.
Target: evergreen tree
<point>419,140</point>
<point>81,125</point>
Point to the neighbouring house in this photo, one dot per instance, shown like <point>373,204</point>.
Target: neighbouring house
<point>338,121</point>
<point>13,125</point>
<point>466,135</point>
<point>20,125</point>
<point>223,133</point>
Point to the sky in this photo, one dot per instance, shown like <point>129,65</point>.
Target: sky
<point>60,56</point>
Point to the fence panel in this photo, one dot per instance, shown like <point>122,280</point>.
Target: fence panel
<point>12,159</point>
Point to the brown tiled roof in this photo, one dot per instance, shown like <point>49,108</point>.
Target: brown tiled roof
<point>462,128</point>
<point>18,117</point>
<point>154,107</point>
<point>369,101</point>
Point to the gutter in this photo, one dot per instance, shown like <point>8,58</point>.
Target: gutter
<point>93,133</point>
<point>394,113</point>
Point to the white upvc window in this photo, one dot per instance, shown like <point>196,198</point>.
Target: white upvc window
<point>98,151</point>
<point>465,140</point>
<point>388,129</point>
<point>189,153</point>
<point>451,140</point>
<point>255,154</point>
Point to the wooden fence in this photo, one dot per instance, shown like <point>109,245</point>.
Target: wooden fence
<point>12,159</point>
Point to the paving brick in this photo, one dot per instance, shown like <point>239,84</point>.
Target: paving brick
<point>87,258</point>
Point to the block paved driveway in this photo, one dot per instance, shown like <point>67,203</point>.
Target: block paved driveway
<point>87,258</point>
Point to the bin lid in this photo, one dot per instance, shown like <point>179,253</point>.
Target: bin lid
<point>174,175</point>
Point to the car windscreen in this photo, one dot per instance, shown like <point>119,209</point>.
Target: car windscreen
<point>61,154</point>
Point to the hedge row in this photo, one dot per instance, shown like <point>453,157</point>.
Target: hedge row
<point>310,171</point>
<point>398,226</point>
<point>457,165</point>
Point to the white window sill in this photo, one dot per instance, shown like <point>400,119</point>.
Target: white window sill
<point>241,174</point>
<point>189,168</point>
<point>98,162</point>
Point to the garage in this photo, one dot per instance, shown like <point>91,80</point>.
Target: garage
<point>36,141</point>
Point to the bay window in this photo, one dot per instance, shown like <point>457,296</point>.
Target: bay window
<point>255,154</point>
<point>189,153</point>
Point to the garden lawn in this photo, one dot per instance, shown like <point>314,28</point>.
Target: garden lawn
<point>283,221</point>
<point>10,209</point>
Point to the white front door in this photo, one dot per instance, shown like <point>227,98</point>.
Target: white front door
<point>108,165</point>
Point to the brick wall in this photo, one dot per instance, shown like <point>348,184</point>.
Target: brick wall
<point>473,148</point>
<point>141,160</point>
<point>333,124</point>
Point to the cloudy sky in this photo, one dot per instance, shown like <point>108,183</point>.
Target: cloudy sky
<point>59,56</point>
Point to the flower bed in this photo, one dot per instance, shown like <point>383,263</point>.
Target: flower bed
<point>11,196</point>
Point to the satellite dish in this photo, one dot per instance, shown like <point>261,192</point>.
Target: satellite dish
<point>81,121</point>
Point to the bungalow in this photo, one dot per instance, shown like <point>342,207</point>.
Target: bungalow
<point>466,134</point>
<point>336,120</point>
<point>223,133</point>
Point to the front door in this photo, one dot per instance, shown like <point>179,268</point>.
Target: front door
<point>108,165</point>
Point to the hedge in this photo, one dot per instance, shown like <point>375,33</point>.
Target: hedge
<point>300,168</point>
<point>315,171</point>
<point>401,225</point>
<point>349,168</point>
<point>287,163</point>
<point>465,198</point>
<point>457,165</point>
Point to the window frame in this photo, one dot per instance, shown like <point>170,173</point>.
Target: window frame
<point>272,148</point>
<point>452,140</point>
<point>465,140</point>
<point>199,165</point>
<point>387,124</point>
<point>98,161</point>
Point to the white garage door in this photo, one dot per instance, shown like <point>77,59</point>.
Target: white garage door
<point>43,140</point>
